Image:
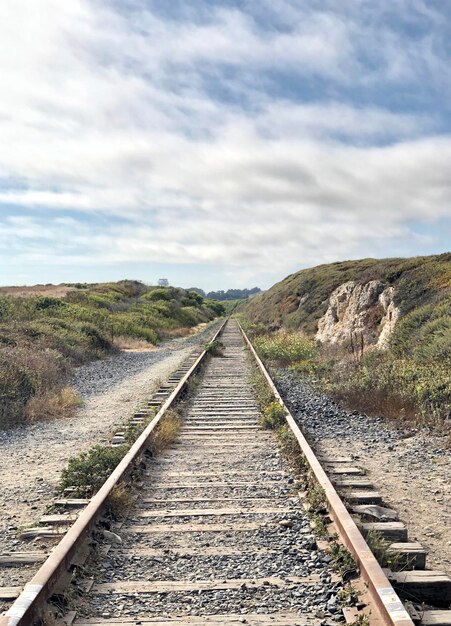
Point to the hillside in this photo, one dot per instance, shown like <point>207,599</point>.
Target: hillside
<point>380,330</point>
<point>42,337</point>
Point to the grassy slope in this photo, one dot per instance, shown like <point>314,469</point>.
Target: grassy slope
<point>411,378</point>
<point>43,337</point>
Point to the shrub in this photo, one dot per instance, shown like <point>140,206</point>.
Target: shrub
<point>273,416</point>
<point>24,374</point>
<point>216,307</point>
<point>6,309</point>
<point>16,388</point>
<point>51,405</point>
<point>215,348</point>
<point>399,389</point>
<point>89,470</point>
<point>285,348</point>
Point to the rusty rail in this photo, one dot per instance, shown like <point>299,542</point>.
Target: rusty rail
<point>28,605</point>
<point>387,602</point>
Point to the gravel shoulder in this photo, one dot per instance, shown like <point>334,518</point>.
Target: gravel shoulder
<point>32,456</point>
<point>411,469</point>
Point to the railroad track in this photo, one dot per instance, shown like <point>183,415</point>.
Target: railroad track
<point>219,534</point>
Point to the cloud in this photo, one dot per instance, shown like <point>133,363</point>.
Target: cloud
<point>218,136</point>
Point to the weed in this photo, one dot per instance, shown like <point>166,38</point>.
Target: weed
<point>215,348</point>
<point>380,547</point>
<point>285,348</point>
<point>318,524</point>
<point>52,405</point>
<point>316,497</point>
<point>120,501</point>
<point>290,449</point>
<point>348,595</point>
<point>165,432</point>
<point>343,560</point>
<point>272,416</point>
<point>263,394</point>
<point>362,619</point>
<point>192,386</point>
<point>287,441</point>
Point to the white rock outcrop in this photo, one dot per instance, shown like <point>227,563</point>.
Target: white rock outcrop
<point>349,313</point>
<point>391,316</point>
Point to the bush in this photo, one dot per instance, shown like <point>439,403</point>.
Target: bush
<point>25,374</point>
<point>215,348</point>
<point>272,416</point>
<point>52,405</point>
<point>285,348</point>
<point>89,470</point>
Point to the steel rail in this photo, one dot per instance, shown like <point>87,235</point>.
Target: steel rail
<point>29,604</point>
<point>386,600</point>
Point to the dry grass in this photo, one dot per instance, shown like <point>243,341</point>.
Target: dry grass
<point>133,344</point>
<point>377,402</point>
<point>166,431</point>
<point>120,501</point>
<point>183,332</point>
<point>48,405</point>
<point>56,291</point>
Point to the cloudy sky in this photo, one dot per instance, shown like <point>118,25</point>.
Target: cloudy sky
<point>220,143</point>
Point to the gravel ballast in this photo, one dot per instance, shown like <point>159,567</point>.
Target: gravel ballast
<point>411,468</point>
<point>218,527</point>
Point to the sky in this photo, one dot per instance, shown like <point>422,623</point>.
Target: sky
<point>220,143</point>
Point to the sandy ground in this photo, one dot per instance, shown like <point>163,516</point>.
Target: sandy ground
<point>32,456</point>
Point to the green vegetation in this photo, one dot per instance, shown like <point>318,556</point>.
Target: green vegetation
<point>43,337</point>
<point>230,294</point>
<point>380,547</point>
<point>285,348</point>
<point>89,470</point>
<point>232,306</point>
<point>409,380</point>
<point>348,595</point>
<point>165,432</point>
<point>215,348</point>
<point>273,416</point>
<point>343,560</point>
<point>362,619</point>
<point>263,394</point>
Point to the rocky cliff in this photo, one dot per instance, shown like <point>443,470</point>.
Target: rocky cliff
<point>366,311</point>
<point>353,300</point>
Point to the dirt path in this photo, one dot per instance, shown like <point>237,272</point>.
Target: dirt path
<point>32,456</point>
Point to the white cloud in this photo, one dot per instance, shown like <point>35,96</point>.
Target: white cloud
<point>119,115</point>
